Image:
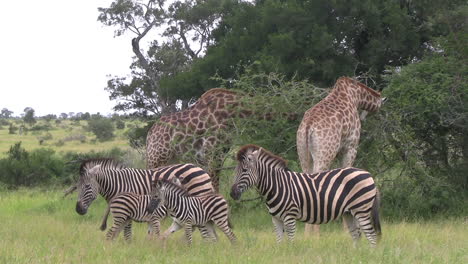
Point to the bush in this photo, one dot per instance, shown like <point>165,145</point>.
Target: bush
<point>22,168</point>
<point>44,166</point>
<point>41,127</point>
<point>102,128</point>
<point>12,129</point>
<point>120,124</point>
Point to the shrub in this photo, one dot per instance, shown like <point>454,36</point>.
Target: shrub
<point>22,168</point>
<point>120,124</point>
<point>12,129</point>
<point>102,128</point>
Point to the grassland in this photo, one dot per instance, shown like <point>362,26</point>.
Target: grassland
<point>65,136</point>
<point>40,226</point>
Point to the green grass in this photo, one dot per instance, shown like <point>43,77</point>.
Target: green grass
<point>42,227</point>
<point>60,133</point>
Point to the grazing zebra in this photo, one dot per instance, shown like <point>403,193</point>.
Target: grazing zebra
<point>189,211</point>
<point>108,178</point>
<point>126,207</point>
<point>311,198</point>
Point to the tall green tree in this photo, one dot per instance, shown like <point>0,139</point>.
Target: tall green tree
<point>5,113</point>
<point>29,116</point>
<point>317,39</point>
<point>186,31</point>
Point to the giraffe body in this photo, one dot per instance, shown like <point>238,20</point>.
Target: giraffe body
<point>200,128</point>
<point>332,127</point>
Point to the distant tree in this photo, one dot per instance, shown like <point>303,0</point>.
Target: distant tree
<point>103,128</point>
<point>29,116</point>
<point>86,116</point>
<point>49,117</point>
<point>63,116</point>
<point>5,113</point>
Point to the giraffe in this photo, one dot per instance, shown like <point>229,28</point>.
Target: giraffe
<point>200,128</point>
<point>332,127</point>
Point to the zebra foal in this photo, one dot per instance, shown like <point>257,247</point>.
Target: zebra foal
<point>126,207</point>
<point>189,211</point>
<point>311,198</point>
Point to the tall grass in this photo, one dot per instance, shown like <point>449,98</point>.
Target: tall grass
<point>39,226</point>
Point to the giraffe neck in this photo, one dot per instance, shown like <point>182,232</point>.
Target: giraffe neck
<point>360,95</point>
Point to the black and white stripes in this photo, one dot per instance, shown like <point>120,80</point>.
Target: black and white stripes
<point>312,198</point>
<point>109,178</point>
<point>189,211</point>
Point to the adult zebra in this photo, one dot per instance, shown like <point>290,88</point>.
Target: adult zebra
<point>108,178</point>
<point>312,198</point>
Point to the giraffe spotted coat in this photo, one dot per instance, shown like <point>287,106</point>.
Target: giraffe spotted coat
<point>332,126</point>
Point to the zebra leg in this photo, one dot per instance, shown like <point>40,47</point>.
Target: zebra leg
<point>365,223</point>
<point>188,233</point>
<point>223,224</point>
<point>128,230</point>
<point>290,228</point>
<point>173,228</point>
<point>353,227</point>
<point>208,232</point>
<point>117,226</point>
<point>279,228</point>
<point>153,228</point>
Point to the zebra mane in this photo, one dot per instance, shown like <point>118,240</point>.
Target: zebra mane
<point>105,163</point>
<point>178,188</point>
<point>241,154</point>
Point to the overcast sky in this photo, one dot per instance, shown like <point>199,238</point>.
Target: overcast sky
<point>55,55</point>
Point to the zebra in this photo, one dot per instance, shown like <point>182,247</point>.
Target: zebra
<point>311,198</point>
<point>188,210</point>
<point>108,178</point>
<point>128,206</point>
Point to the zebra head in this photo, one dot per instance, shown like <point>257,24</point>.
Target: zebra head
<point>246,170</point>
<point>88,188</point>
<point>158,192</point>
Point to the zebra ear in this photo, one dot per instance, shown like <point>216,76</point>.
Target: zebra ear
<point>254,156</point>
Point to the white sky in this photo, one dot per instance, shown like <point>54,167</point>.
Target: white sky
<point>55,55</point>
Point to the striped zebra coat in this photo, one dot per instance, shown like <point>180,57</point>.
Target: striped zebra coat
<point>126,207</point>
<point>311,198</point>
<point>189,211</point>
<point>108,178</point>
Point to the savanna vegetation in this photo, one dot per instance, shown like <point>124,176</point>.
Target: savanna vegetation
<point>284,55</point>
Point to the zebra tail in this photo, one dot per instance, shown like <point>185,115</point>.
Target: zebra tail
<point>376,216</point>
<point>104,219</point>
